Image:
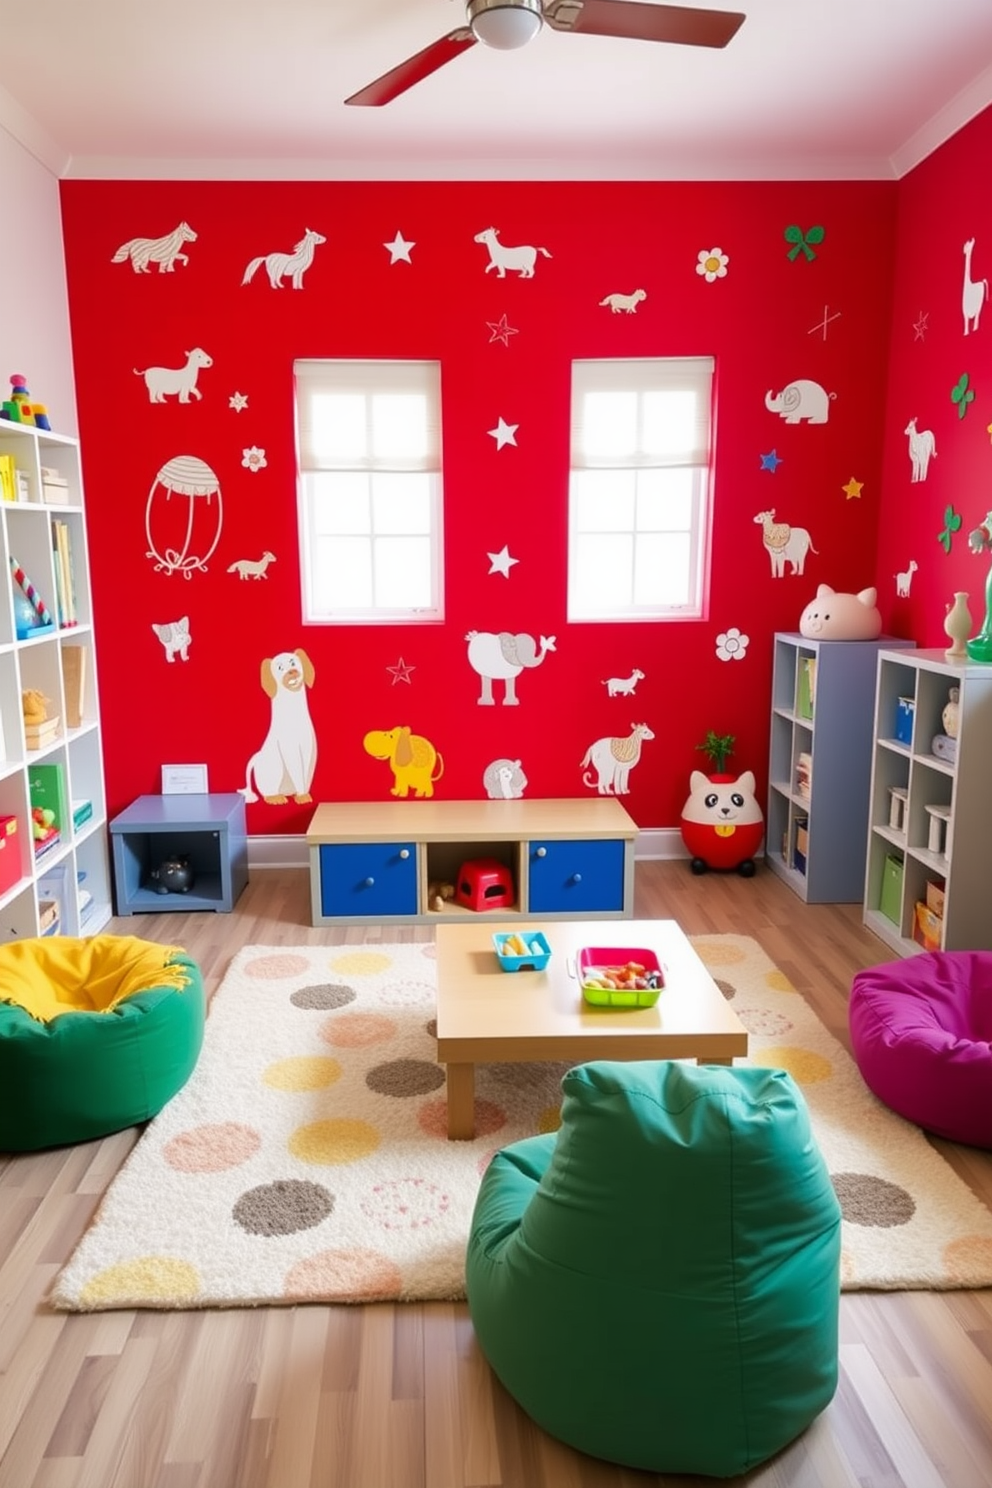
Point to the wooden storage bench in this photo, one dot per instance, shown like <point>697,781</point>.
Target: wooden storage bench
<point>374,861</point>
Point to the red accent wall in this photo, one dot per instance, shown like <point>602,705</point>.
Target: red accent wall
<point>942,205</point>
<point>764,323</point>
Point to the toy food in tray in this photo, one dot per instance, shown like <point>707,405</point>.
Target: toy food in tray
<point>522,950</point>
<point>623,977</point>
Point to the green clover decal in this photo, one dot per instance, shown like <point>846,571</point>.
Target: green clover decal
<point>802,241</point>
<point>962,394</point>
<point>952,524</point>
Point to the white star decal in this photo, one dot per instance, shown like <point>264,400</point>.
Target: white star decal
<point>399,249</point>
<point>237,401</point>
<point>401,672</point>
<point>501,562</point>
<point>504,433</point>
<point>501,330</point>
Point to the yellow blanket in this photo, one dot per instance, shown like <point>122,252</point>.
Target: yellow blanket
<point>57,974</point>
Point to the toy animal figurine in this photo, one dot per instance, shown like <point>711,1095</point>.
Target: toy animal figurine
<point>722,823</point>
<point>34,705</point>
<point>172,876</point>
<point>841,617</point>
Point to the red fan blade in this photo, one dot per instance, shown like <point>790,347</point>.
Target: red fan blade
<point>416,68</point>
<point>638,22</point>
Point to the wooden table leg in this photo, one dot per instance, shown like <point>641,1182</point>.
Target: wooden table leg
<point>461,1102</point>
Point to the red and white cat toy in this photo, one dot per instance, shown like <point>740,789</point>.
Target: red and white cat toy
<point>722,823</point>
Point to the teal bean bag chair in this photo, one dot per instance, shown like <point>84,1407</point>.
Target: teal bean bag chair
<point>658,1285</point>
<point>95,1035</point>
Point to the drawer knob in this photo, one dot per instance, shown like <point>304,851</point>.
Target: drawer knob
<point>369,882</point>
<point>576,877</point>
<point>542,852</point>
<point>404,852</point>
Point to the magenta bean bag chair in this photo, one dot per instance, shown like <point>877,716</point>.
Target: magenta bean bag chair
<point>921,1030</point>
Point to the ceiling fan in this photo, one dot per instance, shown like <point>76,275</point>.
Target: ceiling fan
<point>508,24</point>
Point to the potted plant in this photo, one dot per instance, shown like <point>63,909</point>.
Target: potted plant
<point>719,747</point>
<point>722,823</point>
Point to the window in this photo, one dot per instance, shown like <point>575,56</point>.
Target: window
<point>639,488</point>
<point>370,510</point>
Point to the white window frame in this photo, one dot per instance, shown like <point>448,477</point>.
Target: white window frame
<point>639,377</point>
<point>365,380</point>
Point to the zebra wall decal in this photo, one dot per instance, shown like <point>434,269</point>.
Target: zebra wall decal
<point>166,251</point>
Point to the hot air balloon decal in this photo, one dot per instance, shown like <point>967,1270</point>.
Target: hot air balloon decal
<point>183,517</point>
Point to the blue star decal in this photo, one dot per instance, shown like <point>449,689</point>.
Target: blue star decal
<point>770,461</point>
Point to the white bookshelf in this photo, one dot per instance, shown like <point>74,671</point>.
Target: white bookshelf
<point>40,661</point>
<point>958,791</point>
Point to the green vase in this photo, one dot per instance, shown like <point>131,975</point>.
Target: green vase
<point>980,647</point>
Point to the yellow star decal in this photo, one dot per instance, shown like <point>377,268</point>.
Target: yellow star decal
<point>989,431</point>
<point>853,488</point>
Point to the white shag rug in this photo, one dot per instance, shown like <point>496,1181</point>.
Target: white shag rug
<point>306,1160</point>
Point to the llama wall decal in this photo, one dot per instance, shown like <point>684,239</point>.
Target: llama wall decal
<point>974,293</point>
<point>922,447</point>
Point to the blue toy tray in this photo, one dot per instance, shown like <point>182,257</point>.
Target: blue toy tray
<point>537,956</point>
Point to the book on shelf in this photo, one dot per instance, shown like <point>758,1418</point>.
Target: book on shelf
<point>74,660</point>
<point>82,811</point>
<point>38,735</point>
<point>47,790</point>
<point>807,687</point>
<point>8,479</point>
<point>804,775</point>
<point>65,588</point>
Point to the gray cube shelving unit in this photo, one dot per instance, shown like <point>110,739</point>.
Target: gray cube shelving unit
<point>958,789</point>
<point>831,722</point>
<point>209,830</point>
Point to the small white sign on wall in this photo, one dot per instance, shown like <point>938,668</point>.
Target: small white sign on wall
<point>184,780</point>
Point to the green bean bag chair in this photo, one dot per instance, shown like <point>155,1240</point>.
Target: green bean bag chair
<point>95,1035</point>
<point>658,1285</point>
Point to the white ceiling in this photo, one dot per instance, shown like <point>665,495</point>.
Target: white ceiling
<point>809,89</point>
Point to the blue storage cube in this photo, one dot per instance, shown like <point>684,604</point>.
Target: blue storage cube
<point>905,713</point>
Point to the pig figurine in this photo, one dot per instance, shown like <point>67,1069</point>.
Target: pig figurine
<point>841,617</point>
<point>172,876</point>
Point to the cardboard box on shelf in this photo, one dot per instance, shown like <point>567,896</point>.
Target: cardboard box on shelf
<point>927,927</point>
<point>935,896</point>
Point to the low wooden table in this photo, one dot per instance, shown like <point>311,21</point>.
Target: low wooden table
<point>488,1016</point>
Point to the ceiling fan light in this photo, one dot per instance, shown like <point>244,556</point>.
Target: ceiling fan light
<point>505,24</point>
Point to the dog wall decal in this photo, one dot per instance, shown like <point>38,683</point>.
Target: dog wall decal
<point>284,765</point>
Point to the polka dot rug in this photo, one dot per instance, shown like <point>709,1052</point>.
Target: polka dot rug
<point>306,1160</point>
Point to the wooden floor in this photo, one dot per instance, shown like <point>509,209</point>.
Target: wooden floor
<point>399,1396</point>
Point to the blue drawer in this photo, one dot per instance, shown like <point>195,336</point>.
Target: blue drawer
<point>575,877</point>
<point>368,879</point>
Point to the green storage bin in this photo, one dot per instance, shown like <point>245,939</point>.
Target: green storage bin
<point>890,902</point>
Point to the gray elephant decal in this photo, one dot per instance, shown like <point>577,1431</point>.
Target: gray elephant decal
<point>502,657</point>
<point>504,780</point>
<point>801,400</point>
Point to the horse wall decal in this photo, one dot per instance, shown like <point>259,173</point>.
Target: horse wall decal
<point>278,265</point>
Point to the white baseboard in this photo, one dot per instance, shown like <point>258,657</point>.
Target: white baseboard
<point>292,852</point>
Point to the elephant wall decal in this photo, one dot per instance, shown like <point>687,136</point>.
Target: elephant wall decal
<point>502,656</point>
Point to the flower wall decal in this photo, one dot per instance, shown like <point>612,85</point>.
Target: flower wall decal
<point>732,644</point>
<point>253,459</point>
<point>712,264</point>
